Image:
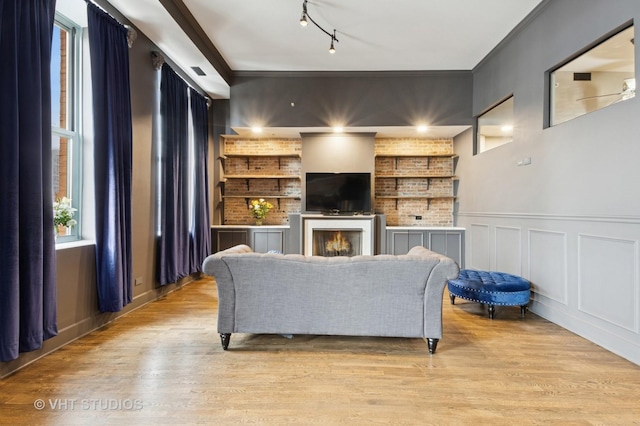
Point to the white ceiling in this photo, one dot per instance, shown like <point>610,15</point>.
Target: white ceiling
<point>374,35</point>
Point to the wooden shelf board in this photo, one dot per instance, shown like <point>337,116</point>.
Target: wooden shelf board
<point>415,155</point>
<point>262,177</point>
<point>292,155</point>
<point>265,196</point>
<point>415,197</point>
<point>416,176</point>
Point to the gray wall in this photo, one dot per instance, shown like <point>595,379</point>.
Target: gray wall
<point>569,221</point>
<point>351,99</point>
<point>336,153</point>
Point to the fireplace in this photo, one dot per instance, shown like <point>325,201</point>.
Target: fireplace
<point>331,243</point>
<point>337,236</point>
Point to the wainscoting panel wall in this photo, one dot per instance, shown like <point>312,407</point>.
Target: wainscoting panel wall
<point>479,257</point>
<point>548,263</point>
<point>610,293</point>
<point>509,250</point>
<point>584,270</point>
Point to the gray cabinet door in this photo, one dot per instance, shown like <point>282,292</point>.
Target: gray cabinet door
<point>449,243</point>
<point>400,242</point>
<point>438,242</point>
<point>265,240</point>
<point>231,237</point>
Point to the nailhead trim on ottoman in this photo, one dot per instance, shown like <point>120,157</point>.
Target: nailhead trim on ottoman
<point>491,288</point>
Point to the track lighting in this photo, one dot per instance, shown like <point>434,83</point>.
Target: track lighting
<point>303,19</point>
<point>332,49</point>
<point>303,22</point>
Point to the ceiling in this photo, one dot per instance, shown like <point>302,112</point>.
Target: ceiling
<point>373,35</point>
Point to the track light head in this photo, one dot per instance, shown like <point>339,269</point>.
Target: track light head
<point>303,18</point>
<point>304,22</point>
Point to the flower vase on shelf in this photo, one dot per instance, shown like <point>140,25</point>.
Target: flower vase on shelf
<point>259,209</point>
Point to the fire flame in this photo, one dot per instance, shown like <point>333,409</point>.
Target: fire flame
<point>338,244</point>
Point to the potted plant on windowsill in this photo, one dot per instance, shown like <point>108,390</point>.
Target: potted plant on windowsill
<point>63,214</point>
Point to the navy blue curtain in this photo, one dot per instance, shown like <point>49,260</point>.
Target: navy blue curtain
<point>173,244</point>
<point>109,53</point>
<point>201,230</point>
<point>27,245</point>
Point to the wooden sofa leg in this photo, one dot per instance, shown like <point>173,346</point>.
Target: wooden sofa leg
<point>225,338</point>
<point>432,343</point>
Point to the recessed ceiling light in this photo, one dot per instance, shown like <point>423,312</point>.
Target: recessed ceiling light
<point>256,129</point>
<point>422,128</point>
<point>338,129</point>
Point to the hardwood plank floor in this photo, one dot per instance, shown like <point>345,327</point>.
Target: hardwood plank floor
<point>163,364</point>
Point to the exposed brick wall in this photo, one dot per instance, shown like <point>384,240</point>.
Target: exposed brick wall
<point>413,145</point>
<point>401,212</point>
<point>236,210</point>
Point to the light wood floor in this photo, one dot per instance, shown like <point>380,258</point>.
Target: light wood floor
<point>163,364</point>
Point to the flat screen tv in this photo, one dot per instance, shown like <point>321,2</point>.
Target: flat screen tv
<point>338,193</point>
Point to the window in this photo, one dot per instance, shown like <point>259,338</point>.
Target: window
<point>495,127</point>
<point>65,117</point>
<point>595,79</point>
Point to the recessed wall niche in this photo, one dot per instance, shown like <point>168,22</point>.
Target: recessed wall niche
<point>412,179</point>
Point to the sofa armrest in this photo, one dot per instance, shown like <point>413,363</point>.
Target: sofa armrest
<point>208,263</point>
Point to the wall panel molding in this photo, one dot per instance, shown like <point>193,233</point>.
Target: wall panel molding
<point>548,268</point>
<point>571,218</point>
<point>508,249</point>
<point>480,247</point>
<point>608,283</point>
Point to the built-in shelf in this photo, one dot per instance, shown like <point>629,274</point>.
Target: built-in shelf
<point>248,157</point>
<point>265,196</point>
<point>426,176</point>
<point>416,176</point>
<point>261,177</point>
<point>415,197</point>
<point>271,174</point>
<point>451,155</point>
<point>289,155</point>
<point>248,197</point>
<point>428,198</point>
<point>427,156</point>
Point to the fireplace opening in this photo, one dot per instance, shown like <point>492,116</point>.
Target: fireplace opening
<point>343,242</point>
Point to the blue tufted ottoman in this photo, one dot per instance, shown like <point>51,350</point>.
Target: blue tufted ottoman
<point>491,288</point>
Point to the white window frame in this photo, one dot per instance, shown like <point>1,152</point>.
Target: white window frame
<point>73,132</point>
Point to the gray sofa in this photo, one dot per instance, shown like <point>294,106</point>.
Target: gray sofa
<point>382,295</point>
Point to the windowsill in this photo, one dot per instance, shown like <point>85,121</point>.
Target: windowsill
<point>74,244</point>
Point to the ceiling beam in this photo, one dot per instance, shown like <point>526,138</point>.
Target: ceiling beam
<point>183,17</point>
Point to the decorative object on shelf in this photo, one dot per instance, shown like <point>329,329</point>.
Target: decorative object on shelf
<point>63,214</point>
<point>303,22</point>
<point>259,209</point>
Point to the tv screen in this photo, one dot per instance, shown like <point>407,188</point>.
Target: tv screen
<point>338,192</point>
